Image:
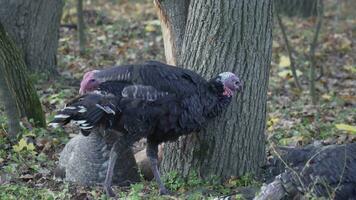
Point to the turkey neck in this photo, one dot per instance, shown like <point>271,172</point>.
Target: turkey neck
<point>218,100</point>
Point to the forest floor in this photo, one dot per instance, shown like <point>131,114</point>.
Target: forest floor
<point>129,32</point>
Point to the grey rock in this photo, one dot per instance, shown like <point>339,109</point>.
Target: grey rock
<point>84,160</point>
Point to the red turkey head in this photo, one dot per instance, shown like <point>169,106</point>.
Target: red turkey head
<point>231,82</point>
<point>89,82</point>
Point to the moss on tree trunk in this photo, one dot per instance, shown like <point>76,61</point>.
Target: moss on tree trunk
<point>13,70</point>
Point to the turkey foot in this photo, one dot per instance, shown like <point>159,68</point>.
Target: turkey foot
<point>108,191</point>
<point>152,154</point>
<point>164,191</point>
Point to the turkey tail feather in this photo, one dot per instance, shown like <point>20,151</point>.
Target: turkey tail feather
<point>86,112</point>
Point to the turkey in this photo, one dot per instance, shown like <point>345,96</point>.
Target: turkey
<point>152,100</point>
<point>320,171</point>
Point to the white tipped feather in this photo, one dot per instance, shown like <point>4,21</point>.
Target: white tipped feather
<point>82,110</point>
<point>106,109</point>
<point>87,127</point>
<point>86,124</point>
<point>70,108</point>
<point>54,125</point>
<point>61,116</point>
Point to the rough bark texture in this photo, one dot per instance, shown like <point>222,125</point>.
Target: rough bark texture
<point>302,8</point>
<point>173,16</point>
<point>34,26</point>
<point>14,72</point>
<point>227,36</point>
<point>10,107</point>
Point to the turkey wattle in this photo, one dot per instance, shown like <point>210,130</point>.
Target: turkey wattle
<point>152,100</point>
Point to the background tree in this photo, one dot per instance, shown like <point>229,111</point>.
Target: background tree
<point>81,27</point>
<point>302,8</point>
<point>34,26</point>
<point>222,36</point>
<point>18,85</point>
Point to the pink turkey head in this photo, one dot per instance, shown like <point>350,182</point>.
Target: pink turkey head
<point>231,82</point>
<point>89,82</point>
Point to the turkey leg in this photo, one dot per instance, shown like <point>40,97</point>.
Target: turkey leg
<point>152,154</point>
<point>109,173</point>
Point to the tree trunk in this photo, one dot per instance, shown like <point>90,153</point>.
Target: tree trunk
<point>173,16</point>
<point>302,8</point>
<point>227,36</point>
<point>34,26</point>
<point>13,70</point>
<point>10,107</point>
<point>81,27</point>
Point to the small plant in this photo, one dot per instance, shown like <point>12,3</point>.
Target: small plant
<point>15,191</point>
<point>243,181</point>
<point>194,180</point>
<point>173,181</point>
<point>136,189</point>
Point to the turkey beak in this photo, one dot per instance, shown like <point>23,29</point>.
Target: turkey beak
<point>240,87</point>
<point>81,91</point>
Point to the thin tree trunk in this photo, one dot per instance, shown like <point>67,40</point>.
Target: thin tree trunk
<point>227,36</point>
<point>289,50</point>
<point>34,26</point>
<point>313,46</point>
<point>81,27</point>
<point>10,107</point>
<point>13,70</point>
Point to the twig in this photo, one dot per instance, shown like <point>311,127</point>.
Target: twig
<point>288,167</point>
<point>312,52</point>
<point>289,50</point>
<point>342,175</point>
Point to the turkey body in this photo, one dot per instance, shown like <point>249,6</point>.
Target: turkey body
<point>323,171</point>
<point>153,100</point>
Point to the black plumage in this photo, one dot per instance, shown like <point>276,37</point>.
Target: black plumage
<point>323,171</point>
<point>153,100</point>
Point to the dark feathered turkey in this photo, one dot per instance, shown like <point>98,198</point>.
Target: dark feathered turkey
<point>321,171</point>
<point>152,100</point>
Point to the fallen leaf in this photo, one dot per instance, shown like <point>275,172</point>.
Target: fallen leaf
<point>288,73</point>
<point>326,96</point>
<point>346,127</point>
<point>350,68</point>
<point>150,28</point>
<point>23,145</point>
<point>284,61</point>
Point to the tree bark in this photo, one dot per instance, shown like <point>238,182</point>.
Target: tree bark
<point>34,26</point>
<point>13,70</point>
<point>81,27</point>
<point>10,107</point>
<point>227,36</point>
<point>173,16</point>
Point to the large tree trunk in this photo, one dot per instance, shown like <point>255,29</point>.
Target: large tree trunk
<point>227,36</point>
<point>13,70</point>
<point>34,26</point>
